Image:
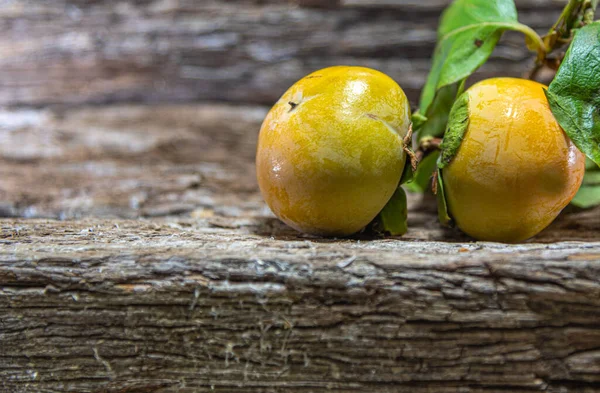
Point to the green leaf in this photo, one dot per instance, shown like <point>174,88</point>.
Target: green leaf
<point>468,33</point>
<point>587,196</point>
<point>407,173</point>
<point>422,176</point>
<point>458,122</point>
<point>418,119</point>
<point>437,115</point>
<point>574,94</point>
<point>589,193</point>
<point>443,214</point>
<point>589,164</point>
<point>591,178</point>
<point>393,217</point>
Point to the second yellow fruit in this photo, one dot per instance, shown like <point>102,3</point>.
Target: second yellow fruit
<point>515,169</point>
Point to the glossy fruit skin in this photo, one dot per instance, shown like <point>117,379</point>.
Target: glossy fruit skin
<point>330,151</point>
<point>515,169</point>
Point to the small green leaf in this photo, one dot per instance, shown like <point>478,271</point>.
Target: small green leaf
<point>407,173</point>
<point>418,119</point>
<point>574,94</point>
<point>589,164</point>
<point>589,193</point>
<point>422,176</point>
<point>393,217</point>
<point>458,122</point>
<point>591,178</point>
<point>587,196</point>
<point>443,214</point>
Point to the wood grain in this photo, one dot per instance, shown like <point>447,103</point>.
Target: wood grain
<point>137,255</point>
<point>182,306</point>
<point>244,51</point>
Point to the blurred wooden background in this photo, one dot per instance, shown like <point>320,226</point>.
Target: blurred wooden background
<point>238,51</point>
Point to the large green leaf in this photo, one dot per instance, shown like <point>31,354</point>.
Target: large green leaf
<point>574,94</point>
<point>468,33</point>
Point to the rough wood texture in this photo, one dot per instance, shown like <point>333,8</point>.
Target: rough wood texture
<point>206,291</point>
<point>73,52</point>
<point>131,306</point>
<point>136,254</point>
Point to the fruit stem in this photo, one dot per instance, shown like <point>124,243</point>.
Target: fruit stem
<point>430,143</point>
<point>576,14</point>
<point>535,41</point>
<point>565,16</point>
<point>414,161</point>
<point>588,16</point>
<point>426,146</point>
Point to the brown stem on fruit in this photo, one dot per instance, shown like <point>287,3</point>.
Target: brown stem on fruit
<point>555,62</point>
<point>434,183</point>
<point>532,75</point>
<point>551,63</point>
<point>429,144</point>
<point>426,146</point>
<point>407,142</point>
<point>419,154</point>
<point>408,136</point>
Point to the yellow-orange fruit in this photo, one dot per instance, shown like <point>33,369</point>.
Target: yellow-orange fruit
<point>515,169</point>
<point>330,151</point>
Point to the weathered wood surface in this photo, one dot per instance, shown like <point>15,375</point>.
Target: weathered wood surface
<point>248,51</point>
<point>176,278</point>
<point>180,306</point>
<point>136,254</point>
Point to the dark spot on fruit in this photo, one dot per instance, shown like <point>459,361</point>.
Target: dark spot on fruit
<point>313,76</point>
<point>478,43</point>
<point>293,106</point>
<point>372,116</point>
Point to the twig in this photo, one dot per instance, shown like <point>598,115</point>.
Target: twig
<point>407,148</point>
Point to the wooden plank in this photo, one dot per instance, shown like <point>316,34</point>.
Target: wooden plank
<point>185,306</point>
<point>136,254</point>
<point>62,52</point>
